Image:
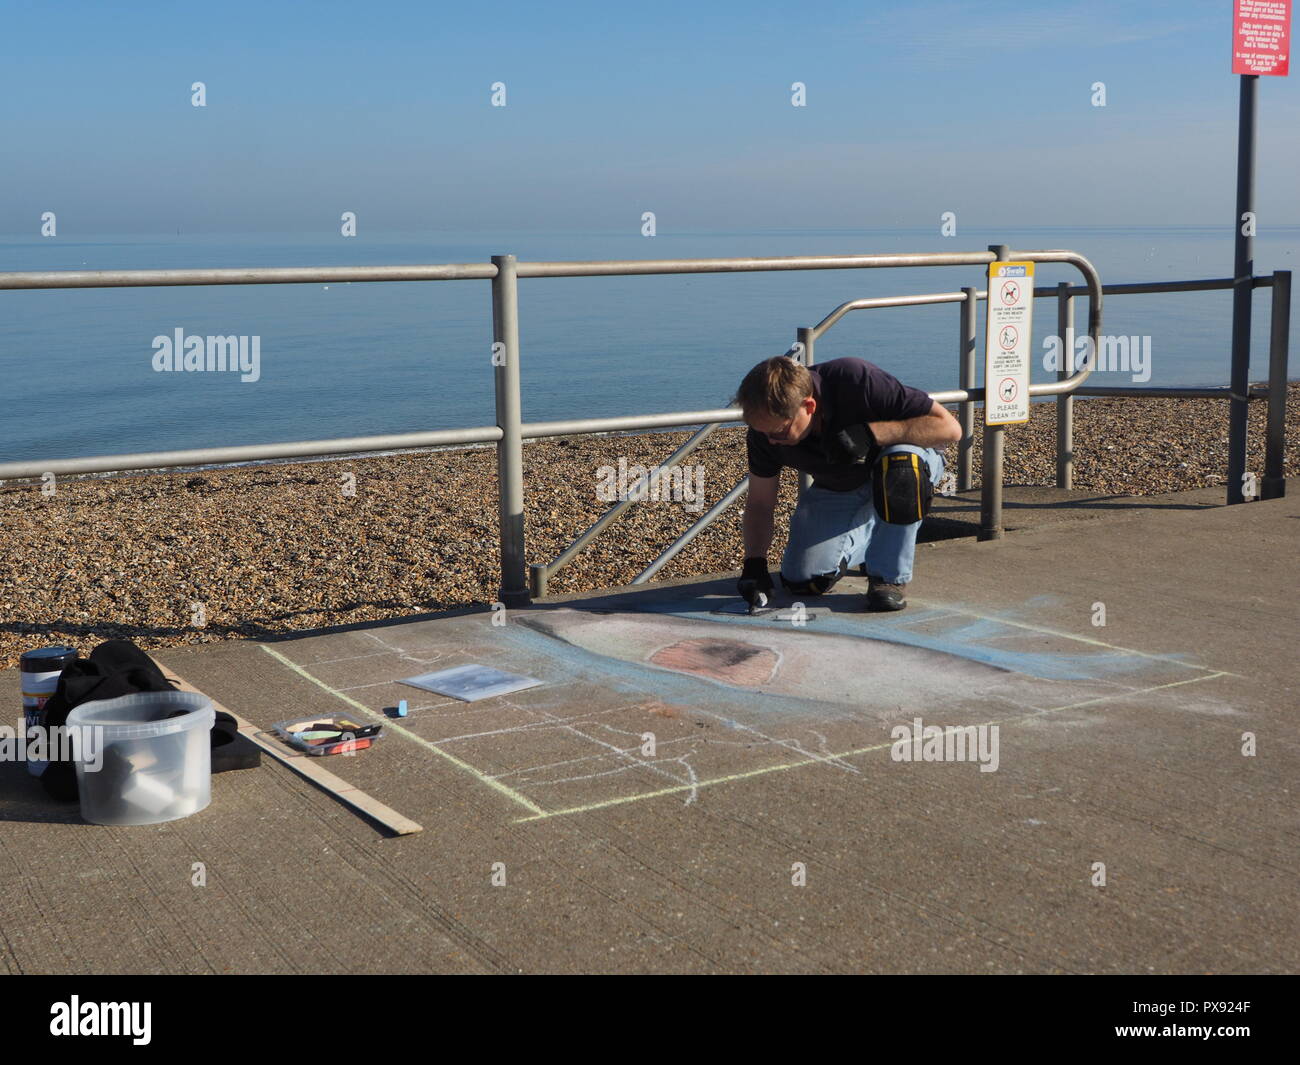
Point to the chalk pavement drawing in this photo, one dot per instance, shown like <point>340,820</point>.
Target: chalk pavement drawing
<point>728,699</point>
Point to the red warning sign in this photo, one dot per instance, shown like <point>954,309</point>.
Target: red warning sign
<point>1261,37</point>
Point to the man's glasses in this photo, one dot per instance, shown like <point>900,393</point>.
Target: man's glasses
<point>785,429</point>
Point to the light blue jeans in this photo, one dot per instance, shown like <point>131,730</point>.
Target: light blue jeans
<point>835,531</point>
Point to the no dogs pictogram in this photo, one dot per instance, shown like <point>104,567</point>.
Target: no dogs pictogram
<point>1011,293</point>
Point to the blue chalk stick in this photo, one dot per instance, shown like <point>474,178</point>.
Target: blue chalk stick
<point>401,708</point>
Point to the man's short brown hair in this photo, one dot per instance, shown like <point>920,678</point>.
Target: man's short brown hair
<point>775,386</point>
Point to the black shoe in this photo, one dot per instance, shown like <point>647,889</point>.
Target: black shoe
<point>882,595</point>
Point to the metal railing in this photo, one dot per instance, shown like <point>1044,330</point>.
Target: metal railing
<point>504,272</point>
<point>1273,484</point>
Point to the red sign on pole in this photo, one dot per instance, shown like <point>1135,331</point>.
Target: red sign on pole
<point>1261,37</point>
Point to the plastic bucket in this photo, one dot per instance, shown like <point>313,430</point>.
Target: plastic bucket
<point>137,764</point>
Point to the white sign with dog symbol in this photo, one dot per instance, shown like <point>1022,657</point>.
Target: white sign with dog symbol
<point>1007,343</point>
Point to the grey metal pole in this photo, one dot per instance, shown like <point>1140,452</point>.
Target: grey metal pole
<point>1243,286</point>
<point>538,577</point>
<point>991,474</point>
<point>1065,403</point>
<point>1274,486</point>
<point>991,484</point>
<point>807,338</point>
<point>510,450</point>
<point>966,376</point>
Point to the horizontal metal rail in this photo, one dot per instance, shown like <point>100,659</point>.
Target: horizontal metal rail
<point>211,456</point>
<point>294,275</point>
<point>877,302</point>
<point>262,275</point>
<point>535,430</point>
<point>348,445</point>
<point>1141,287</point>
<point>628,267</point>
<point>1162,392</point>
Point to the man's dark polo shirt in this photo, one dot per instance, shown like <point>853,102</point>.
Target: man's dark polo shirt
<point>848,392</point>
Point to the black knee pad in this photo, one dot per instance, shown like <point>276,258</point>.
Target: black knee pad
<point>818,585</point>
<point>901,488</point>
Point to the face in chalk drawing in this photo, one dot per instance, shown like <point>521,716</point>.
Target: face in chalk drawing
<point>786,431</point>
<point>863,673</point>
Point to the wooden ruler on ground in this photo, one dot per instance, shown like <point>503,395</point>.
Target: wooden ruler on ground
<point>309,767</point>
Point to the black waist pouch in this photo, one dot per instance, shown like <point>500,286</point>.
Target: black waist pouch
<point>901,488</point>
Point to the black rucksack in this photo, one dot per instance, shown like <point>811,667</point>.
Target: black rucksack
<point>119,667</point>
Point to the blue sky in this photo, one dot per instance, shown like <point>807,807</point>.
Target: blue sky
<point>383,108</point>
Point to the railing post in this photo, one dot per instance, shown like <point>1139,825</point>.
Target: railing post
<point>966,378</point>
<point>1243,288</point>
<point>1274,486</point>
<point>538,579</point>
<point>805,336</point>
<point>510,449</point>
<point>991,473</point>
<point>1065,403</point>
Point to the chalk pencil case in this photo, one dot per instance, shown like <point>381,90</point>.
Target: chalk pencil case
<point>327,735</point>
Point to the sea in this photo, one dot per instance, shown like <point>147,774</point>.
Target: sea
<point>79,373</point>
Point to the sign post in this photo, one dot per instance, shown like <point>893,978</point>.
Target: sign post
<point>1261,35</point>
<point>1014,290</point>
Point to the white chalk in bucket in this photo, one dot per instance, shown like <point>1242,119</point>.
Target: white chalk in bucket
<point>148,794</point>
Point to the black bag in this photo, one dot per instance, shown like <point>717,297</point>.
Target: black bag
<point>119,667</point>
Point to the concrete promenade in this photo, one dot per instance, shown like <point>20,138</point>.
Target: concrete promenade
<point>654,804</point>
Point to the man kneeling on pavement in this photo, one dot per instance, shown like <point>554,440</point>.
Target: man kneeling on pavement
<point>869,441</point>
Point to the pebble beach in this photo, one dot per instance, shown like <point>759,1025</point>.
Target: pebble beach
<point>186,557</point>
